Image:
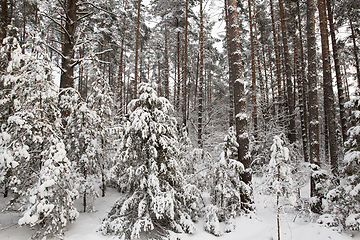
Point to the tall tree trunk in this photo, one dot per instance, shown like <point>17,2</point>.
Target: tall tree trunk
<point>253,72</point>
<point>302,92</point>
<point>239,92</point>
<point>178,85</point>
<point>137,48</point>
<point>4,20</point>
<point>185,65</point>
<point>196,81</point>
<point>313,98</point>
<point>328,89</point>
<point>231,84</point>
<point>67,75</point>
<point>339,82</point>
<point>289,84</point>
<point>357,64</point>
<point>277,54</point>
<point>167,93</point>
<point>201,75</point>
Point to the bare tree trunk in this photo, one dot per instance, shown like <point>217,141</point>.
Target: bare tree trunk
<point>196,81</point>
<point>253,72</point>
<point>167,94</point>
<point>277,54</point>
<point>231,84</point>
<point>313,98</point>
<point>339,82</point>
<point>4,20</point>
<point>137,48</point>
<point>67,75</point>
<point>239,93</point>
<point>357,65</point>
<point>328,89</point>
<point>201,79</point>
<point>302,93</point>
<point>290,95</point>
<point>185,64</point>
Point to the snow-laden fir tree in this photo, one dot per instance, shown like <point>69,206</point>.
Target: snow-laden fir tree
<point>51,200</point>
<point>82,146</point>
<point>156,200</point>
<point>100,101</point>
<point>343,210</point>
<point>227,189</point>
<point>279,176</point>
<point>43,175</point>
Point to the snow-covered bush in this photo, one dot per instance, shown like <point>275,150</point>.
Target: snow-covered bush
<point>343,200</point>
<point>227,189</point>
<point>158,199</point>
<point>51,200</point>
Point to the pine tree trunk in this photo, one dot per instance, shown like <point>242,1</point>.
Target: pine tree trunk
<point>357,64</point>
<point>137,48</point>
<point>178,85</point>
<point>328,89</point>
<point>239,93</point>
<point>201,77</point>
<point>167,93</point>
<point>339,82</point>
<point>253,72</point>
<point>313,98</point>
<point>185,65</point>
<point>289,84</point>
<point>4,20</point>
<point>302,86</point>
<point>277,55</point>
<point>231,84</point>
<point>67,75</point>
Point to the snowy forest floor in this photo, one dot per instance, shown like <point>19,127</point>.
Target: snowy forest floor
<point>258,226</point>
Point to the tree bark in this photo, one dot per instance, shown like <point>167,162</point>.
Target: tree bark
<point>4,20</point>
<point>253,72</point>
<point>339,82</point>
<point>239,92</point>
<point>201,77</point>
<point>328,89</point>
<point>357,64</point>
<point>167,93</point>
<point>303,93</point>
<point>289,84</point>
<point>313,98</point>
<point>137,48</point>
<point>231,84</point>
<point>185,64</point>
<point>67,75</point>
<point>277,54</point>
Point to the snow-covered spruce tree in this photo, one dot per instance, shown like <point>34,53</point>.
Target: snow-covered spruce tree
<point>81,145</point>
<point>100,101</point>
<point>157,199</point>
<point>227,189</point>
<point>279,176</point>
<point>343,210</point>
<point>30,101</point>
<point>43,174</point>
<point>51,200</point>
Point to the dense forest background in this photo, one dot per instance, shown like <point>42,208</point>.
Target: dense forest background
<point>139,96</point>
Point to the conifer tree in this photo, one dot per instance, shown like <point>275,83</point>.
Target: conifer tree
<point>150,174</point>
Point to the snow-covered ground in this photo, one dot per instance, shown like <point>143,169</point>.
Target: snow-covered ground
<point>260,226</point>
